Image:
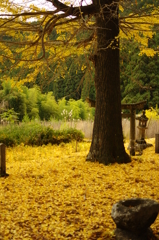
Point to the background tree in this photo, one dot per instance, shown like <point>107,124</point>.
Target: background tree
<point>139,73</point>
<point>101,20</point>
<point>15,99</point>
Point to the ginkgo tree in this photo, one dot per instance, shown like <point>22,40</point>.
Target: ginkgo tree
<point>92,28</point>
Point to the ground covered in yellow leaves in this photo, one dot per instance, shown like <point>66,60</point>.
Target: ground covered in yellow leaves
<point>53,193</point>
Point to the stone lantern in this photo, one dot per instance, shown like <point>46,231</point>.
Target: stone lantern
<point>142,127</point>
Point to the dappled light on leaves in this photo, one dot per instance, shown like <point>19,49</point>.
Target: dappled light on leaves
<point>53,193</point>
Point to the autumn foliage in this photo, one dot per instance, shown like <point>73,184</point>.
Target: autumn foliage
<point>53,193</point>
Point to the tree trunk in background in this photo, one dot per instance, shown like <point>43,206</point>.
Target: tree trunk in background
<point>107,143</point>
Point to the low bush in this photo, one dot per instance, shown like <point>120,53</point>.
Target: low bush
<point>48,135</point>
<point>37,134</point>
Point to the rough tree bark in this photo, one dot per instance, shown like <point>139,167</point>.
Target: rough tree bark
<point>107,142</point>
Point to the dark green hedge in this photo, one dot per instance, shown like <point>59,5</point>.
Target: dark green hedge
<point>37,134</point>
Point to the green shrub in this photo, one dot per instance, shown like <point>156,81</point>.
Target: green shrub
<point>8,141</point>
<point>17,134</point>
<point>35,134</point>
<point>48,135</point>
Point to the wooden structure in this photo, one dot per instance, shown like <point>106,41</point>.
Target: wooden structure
<point>157,143</point>
<point>132,107</point>
<point>3,160</point>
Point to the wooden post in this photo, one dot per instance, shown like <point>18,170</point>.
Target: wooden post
<point>132,132</point>
<point>2,160</point>
<point>157,143</point>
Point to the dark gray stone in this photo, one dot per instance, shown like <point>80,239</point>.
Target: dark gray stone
<point>121,234</point>
<point>135,215</point>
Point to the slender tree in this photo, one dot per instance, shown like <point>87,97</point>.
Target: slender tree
<point>100,19</point>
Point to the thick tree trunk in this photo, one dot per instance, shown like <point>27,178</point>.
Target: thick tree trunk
<point>107,142</point>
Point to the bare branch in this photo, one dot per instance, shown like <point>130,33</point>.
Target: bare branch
<point>74,11</point>
<point>31,14</point>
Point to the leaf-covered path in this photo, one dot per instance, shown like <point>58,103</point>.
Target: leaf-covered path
<point>53,193</point>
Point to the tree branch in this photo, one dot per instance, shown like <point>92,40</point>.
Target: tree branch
<point>74,11</point>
